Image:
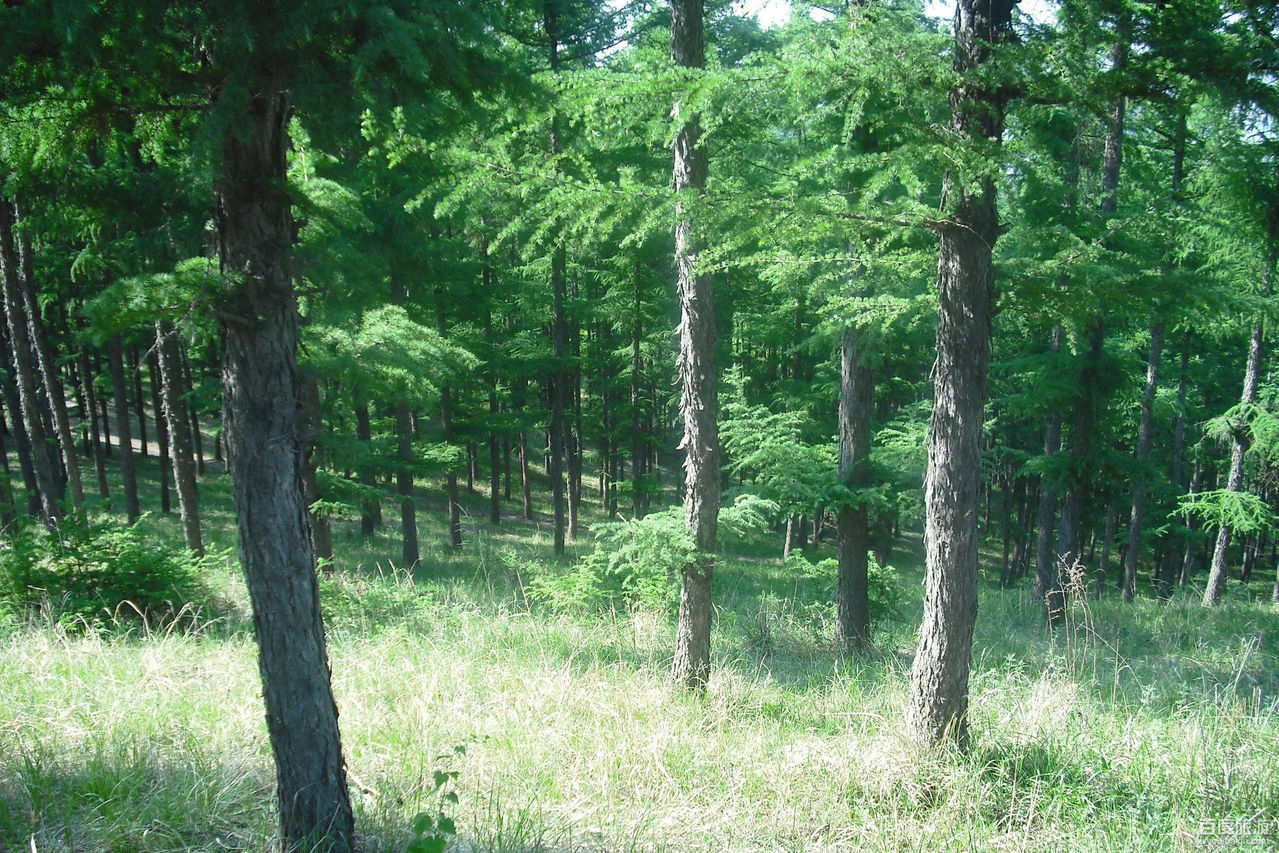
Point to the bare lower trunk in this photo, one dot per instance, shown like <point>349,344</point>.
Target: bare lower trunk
<point>856,399</point>
<point>128,470</point>
<point>937,708</point>
<point>370,508</point>
<point>179,430</point>
<point>1144,434</point>
<point>22,363</point>
<point>312,428</point>
<point>1045,539</point>
<point>46,360</point>
<point>95,434</point>
<point>161,436</point>
<point>695,365</point>
<point>1168,566</point>
<point>1217,574</point>
<point>264,452</point>
<point>404,484</point>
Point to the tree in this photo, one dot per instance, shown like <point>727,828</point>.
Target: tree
<point>696,366</point>
<point>938,704</point>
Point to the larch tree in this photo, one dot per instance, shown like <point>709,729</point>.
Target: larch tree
<point>938,705</point>
<point>696,367</point>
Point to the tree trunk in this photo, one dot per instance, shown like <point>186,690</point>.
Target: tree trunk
<point>46,360</point>
<point>1144,434</point>
<point>260,414</point>
<point>695,366</point>
<point>1107,542</point>
<point>161,435</point>
<point>404,484</point>
<point>1070,554</point>
<point>1217,574</point>
<point>856,402</point>
<point>1045,539</point>
<point>179,429</point>
<point>96,438</point>
<point>197,441</point>
<point>1168,567</point>
<point>637,435</point>
<point>495,448</point>
<point>576,444</point>
<point>446,430</point>
<point>22,361</point>
<point>371,508</point>
<point>135,371</point>
<point>937,708</point>
<point>21,441</point>
<point>312,428</point>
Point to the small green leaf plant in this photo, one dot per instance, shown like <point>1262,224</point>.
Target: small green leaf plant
<point>433,828</point>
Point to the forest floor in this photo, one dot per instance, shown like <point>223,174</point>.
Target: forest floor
<point>1133,727</point>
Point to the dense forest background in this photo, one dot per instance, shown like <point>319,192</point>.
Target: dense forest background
<point>556,311</point>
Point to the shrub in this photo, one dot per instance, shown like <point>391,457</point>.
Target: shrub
<point>90,573</point>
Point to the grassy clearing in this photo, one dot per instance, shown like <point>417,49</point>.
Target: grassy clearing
<point>1144,727</point>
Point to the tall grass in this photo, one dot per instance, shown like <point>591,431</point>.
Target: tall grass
<point>1132,727</point>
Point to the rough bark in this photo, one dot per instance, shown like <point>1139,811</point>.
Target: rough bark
<point>264,453</point>
<point>937,708</point>
<point>46,361</point>
<point>695,366</point>
<point>22,360</point>
<point>21,441</point>
<point>1145,432</point>
<point>856,401</point>
<point>179,430</point>
<point>95,434</point>
<point>1216,586</point>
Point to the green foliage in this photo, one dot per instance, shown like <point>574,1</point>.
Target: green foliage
<point>98,573</point>
<point>1244,512</point>
<point>636,561</point>
<point>433,829</point>
<point>888,597</point>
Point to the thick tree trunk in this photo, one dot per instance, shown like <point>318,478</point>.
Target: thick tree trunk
<point>179,429</point>
<point>46,361</point>
<point>261,414</point>
<point>937,708</point>
<point>22,362</point>
<point>1217,574</point>
<point>856,401</point>
<point>1045,539</point>
<point>1145,432</point>
<point>695,365</point>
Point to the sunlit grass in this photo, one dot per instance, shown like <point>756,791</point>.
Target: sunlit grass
<point>1133,727</point>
